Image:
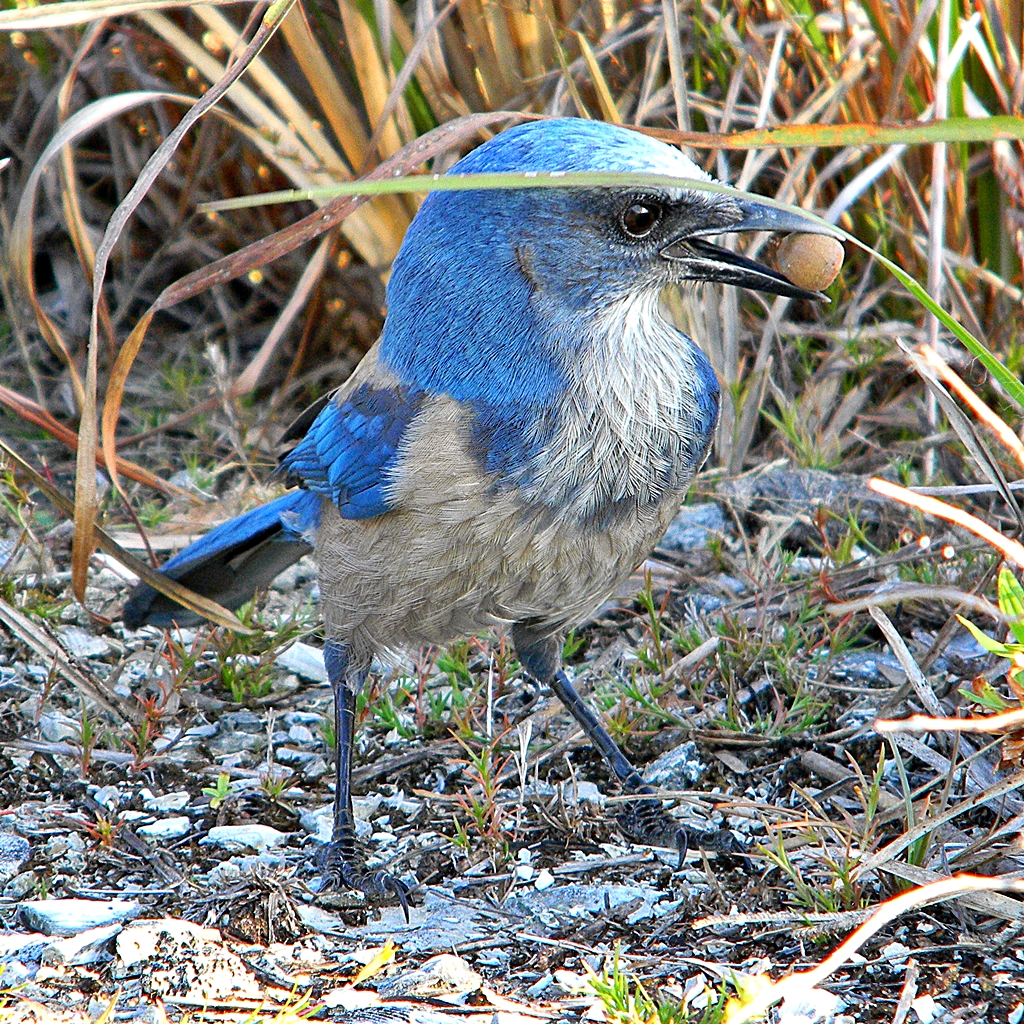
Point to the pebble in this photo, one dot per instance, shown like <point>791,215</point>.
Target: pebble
<point>14,851</point>
<point>444,975</point>
<point>166,828</point>
<point>83,644</point>
<point>72,916</point>
<point>301,734</point>
<point>88,947</point>
<point>810,261</point>
<point>243,837</point>
<point>679,768</point>
<point>55,727</point>
<point>814,1006</point>
<point>176,801</point>
<point>692,527</point>
<point>20,886</point>
<point>304,660</point>
<point>291,756</point>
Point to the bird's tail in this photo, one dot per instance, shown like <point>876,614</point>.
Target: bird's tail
<point>232,561</point>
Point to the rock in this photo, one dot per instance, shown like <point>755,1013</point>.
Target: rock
<point>815,1006</point>
<point>83,644</point>
<point>443,975</point>
<point>14,851</point>
<point>291,756</point>
<point>799,493</point>
<point>692,527</point>
<point>56,728</point>
<point>184,960</point>
<point>140,941</point>
<point>73,916</point>
<point>578,900</point>
<point>243,837</point>
<point>304,660</point>
<point>20,954</point>
<point>679,768</point>
<point>177,801</point>
<point>88,947</point>
<point>867,668</point>
<point>301,734</point>
<point>20,886</point>
<point>165,828</point>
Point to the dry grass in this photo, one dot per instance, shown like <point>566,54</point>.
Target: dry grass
<point>337,90</point>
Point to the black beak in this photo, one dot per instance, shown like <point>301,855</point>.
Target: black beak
<point>700,260</point>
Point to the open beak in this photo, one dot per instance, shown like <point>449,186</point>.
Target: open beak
<point>700,260</point>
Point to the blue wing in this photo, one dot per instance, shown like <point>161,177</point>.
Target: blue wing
<point>352,445</point>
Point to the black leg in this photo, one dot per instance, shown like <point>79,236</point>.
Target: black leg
<point>644,820</point>
<point>339,860</point>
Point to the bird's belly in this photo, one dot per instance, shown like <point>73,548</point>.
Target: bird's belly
<point>457,555</point>
<point>431,575</point>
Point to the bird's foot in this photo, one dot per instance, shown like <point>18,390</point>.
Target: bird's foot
<point>644,820</point>
<point>342,868</point>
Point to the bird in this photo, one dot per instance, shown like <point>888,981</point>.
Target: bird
<point>514,444</point>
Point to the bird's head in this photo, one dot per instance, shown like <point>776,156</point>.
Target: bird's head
<point>501,266</point>
<point>587,243</point>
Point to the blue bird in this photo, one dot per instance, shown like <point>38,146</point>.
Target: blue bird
<point>515,443</point>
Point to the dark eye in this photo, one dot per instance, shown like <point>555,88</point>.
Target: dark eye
<point>638,219</point>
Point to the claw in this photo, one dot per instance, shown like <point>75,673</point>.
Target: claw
<point>341,867</point>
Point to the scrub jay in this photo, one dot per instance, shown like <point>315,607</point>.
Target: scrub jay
<point>515,443</point>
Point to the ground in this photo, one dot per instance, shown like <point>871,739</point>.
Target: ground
<point>188,775</point>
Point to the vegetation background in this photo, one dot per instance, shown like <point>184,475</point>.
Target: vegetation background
<point>192,395</point>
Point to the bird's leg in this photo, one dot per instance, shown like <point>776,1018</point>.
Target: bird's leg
<point>644,819</point>
<point>340,860</point>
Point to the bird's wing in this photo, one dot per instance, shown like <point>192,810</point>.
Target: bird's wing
<point>352,445</point>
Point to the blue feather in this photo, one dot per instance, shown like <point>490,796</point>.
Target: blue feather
<point>352,446</point>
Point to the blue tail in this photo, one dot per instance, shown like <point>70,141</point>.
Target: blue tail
<point>232,561</point>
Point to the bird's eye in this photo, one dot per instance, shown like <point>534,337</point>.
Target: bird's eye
<point>638,219</point>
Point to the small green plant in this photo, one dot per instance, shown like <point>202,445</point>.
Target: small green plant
<point>486,813</point>
<point>104,830</point>
<point>87,736</point>
<point>832,885</point>
<point>154,512</point>
<point>273,783</point>
<point>657,656</point>
<point>1011,604</point>
<point>220,792</point>
<point>626,1001</point>
<point>246,664</point>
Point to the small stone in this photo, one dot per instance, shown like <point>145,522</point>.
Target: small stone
<point>678,768</point>
<point>243,837</point>
<point>291,756</point>
<point>926,1008</point>
<point>544,880</point>
<point>166,828</point>
<point>73,916</point>
<point>20,886</point>
<point>302,718</point>
<point>316,769</point>
<point>108,796</point>
<point>56,727</point>
<point>304,660</point>
<point>88,947</point>
<point>177,801</point>
<point>83,644</point>
<point>14,851</point>
<point>443,975</point>
<point>693,526</point>
<point>810,261</point>
<point>300,734</point>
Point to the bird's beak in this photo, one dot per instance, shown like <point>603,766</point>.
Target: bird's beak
<point>700,260</point>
